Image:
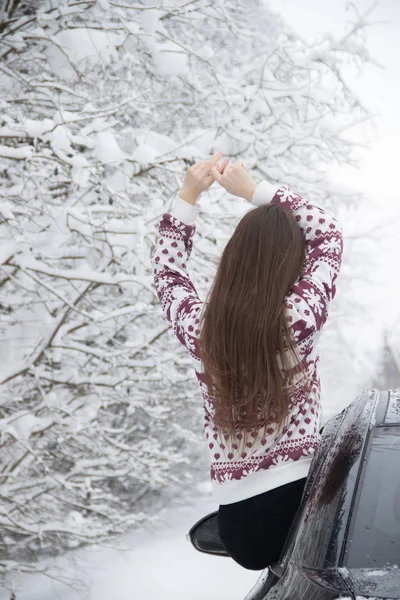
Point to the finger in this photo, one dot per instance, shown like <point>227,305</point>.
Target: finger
<point>214,159</point>
<point>223,165</point>
<point>215,173</point>
<point>220,167</point>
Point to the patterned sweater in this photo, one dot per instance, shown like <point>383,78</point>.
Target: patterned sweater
<point>273,460</point>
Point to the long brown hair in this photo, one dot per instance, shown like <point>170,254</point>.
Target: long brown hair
<point>249,357</point>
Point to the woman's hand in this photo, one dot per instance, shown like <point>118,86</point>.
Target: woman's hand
<point>235,179</point>
<point>198,178</point>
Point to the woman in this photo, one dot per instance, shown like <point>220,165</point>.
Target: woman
<point>254,347</point>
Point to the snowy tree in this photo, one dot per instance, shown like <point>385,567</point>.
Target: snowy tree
<point>103,105</point>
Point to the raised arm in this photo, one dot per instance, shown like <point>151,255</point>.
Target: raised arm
<point>178,296</point>
<point>176,291</point>
<point>308,300</point>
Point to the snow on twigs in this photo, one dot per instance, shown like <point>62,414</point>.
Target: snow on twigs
<point>20,153</point>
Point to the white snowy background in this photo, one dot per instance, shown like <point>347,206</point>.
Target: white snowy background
<point>101,104</point>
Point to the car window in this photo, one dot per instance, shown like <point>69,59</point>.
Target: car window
<point>330,431</point>
<point>374,539</point>
<point>323,526</point>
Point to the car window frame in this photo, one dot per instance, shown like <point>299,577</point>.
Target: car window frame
<point>355,499</point>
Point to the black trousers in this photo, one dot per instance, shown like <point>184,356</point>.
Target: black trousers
<point>254,530</point>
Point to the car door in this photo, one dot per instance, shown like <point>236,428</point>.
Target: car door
<point>271,576</point>
<point>289,581</point>
<point>310,563</point>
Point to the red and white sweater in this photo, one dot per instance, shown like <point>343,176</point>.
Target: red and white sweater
<point>275,459</point>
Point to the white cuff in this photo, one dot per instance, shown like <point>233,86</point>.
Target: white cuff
<point>264,192</point>
<point>184,211</point>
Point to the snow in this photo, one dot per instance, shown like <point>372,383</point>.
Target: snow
<point>60,139</point>
<point>80,173</point>
<point>152,145</point>
<point>23,426</point>
<point>170,59</point>
<point>162,143</point>
<point>150,20</point>
<point>7,250</point>
<point>76,48</point>
<point>83,274</point>
<point>74,520</point>
<point>6,211</point>
<point>107,148</point>
<point>162,564</point>
<point>132,27</point>
<point>35,128</point>
<point>20,153</point>
<point>144,154</point>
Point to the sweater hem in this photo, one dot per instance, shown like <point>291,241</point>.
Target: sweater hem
<point>259,482</point>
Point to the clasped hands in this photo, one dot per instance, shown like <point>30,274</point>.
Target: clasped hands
<point>233,177</point>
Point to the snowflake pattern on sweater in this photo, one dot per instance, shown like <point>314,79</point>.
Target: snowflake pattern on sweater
<point>306,308</point>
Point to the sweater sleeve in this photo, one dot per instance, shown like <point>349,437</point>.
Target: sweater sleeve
<point>178,296</point>
<point>308,301</point>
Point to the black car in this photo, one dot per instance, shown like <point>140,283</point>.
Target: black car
<point>345,539</point>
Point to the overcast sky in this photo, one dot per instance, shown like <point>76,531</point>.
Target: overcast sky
<point>379,89</point>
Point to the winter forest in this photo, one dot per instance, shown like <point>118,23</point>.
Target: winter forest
<point>103,106</point>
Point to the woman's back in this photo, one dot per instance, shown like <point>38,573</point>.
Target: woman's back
<point>277,457</point>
